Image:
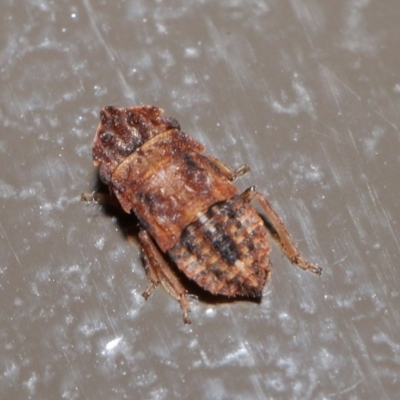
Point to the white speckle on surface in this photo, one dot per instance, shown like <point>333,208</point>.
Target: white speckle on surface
<point>303,102</point>
<point>377,246</point>
<point>190,79</point>
<point>356,37</point>
<point>372,141</point>
<point>30,384</point>
<point>161,29</point>
<point>6,190</point>
<point>99,244</point>
<point>290,366</point>
<point>112,344</point>
<point>99,90</point>
<point>236,356</point>
<point>192,52</point>
<point>211,312</point>
<point>287,323</point>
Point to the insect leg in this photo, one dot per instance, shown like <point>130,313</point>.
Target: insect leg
<point>279,232</point>
<point>102,198</point>
<point>227,171</point>
<point>159,272</point>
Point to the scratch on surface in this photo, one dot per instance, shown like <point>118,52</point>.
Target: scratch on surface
<point>166,346</point>
<point>352,91</point>
<point>311,18</point>
<point>367,359</point>
<point>353,141</point>
<point>383,339</point>
<point>125,86</point>
<point>330,76</point>
<point>10,244</point>
<point>340,260</point>
<point>73,369</point>
<point>49,168</point>
<point>337,136</point>
<point>104,308</point>
<point>350,388</point>
<point>255,380</point>
<point>375,199</point>
<point>231,61</point>
<point>386,119</point>
<point>335,139</point>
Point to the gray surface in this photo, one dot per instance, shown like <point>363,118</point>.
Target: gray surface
<point>307,93</point>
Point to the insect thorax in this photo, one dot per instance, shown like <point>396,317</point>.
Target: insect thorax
<point>167,183</point>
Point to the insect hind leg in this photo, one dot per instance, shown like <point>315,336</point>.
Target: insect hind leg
<point>279,232</point>
<point>159,272</point>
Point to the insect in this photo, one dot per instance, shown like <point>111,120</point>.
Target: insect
<point>189,211</point>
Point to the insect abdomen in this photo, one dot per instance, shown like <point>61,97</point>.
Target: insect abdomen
<point>225,251</point>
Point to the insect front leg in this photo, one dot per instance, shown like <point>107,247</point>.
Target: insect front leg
<point>106,199</point>
<point>279,232</point>
<point>227,171</point>
<point>159,272</point>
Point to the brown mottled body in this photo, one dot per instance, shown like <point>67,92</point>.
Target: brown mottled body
<point>186,203</point>
<point>225,250</point>
<point>168,183</point>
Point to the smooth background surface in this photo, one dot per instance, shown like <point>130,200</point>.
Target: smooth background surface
<point>307,93</point>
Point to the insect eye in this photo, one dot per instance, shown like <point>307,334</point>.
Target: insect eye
<point>106,137</point>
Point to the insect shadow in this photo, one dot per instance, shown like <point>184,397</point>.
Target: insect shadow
<point>129,226</point>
